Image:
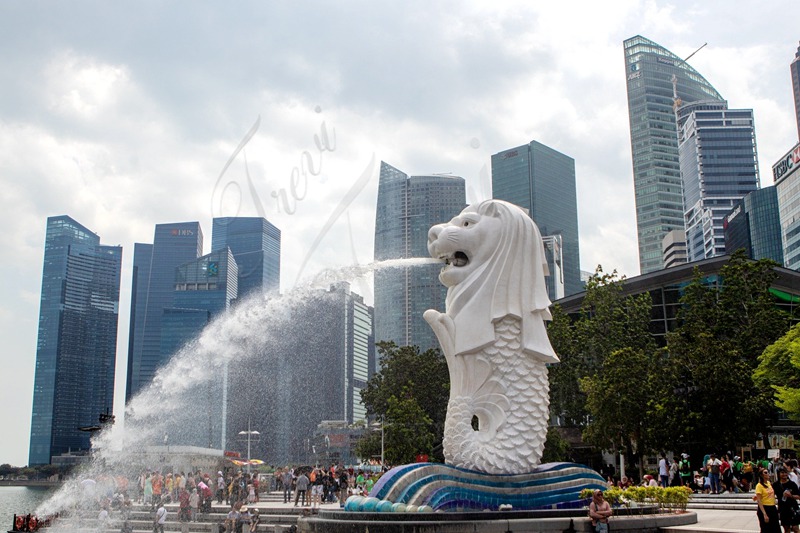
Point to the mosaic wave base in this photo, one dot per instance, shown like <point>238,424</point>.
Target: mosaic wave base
<point>442,487</point>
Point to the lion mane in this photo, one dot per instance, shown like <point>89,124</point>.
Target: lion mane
<point>510,283</point>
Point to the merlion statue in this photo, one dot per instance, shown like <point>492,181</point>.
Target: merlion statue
<point>493,337</point>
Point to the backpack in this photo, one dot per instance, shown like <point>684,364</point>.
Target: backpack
<point>685,467</point>
<point>747,468</point>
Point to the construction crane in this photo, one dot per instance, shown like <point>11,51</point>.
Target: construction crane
<point>676,102</point>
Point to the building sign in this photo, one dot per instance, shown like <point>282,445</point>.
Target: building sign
<point>786,163</point>
<point>666,60</point>
<point>512,153</point>
<point>734,214</point>
<point>182,232</point>
<point>634,75</point>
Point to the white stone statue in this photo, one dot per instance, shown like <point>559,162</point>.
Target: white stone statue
<point>493,337</point>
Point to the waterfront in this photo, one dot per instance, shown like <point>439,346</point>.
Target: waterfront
<point>20,500</point>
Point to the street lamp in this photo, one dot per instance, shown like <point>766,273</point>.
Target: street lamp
<point>382,424</point>
<point>249,433</point>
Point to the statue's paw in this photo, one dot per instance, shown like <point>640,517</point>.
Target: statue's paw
<point>432,316</point>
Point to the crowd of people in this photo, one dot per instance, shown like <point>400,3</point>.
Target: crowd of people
<point>195,492</point>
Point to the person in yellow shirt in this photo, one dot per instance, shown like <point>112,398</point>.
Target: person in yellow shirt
<point>767,510</point>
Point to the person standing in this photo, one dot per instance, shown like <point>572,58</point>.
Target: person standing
<point>599,512</point>
<point>301,486</point>
<point>286,481</point>
<point>160,519</point>
<point>767,511</point>
<point>714,465</point>
<point>685,470</point>
<point>787,493</point>
<point>663,471</point>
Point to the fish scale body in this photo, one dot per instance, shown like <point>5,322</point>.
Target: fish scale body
<point>516,392</point>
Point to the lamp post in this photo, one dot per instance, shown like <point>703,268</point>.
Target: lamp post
<point>249,433</point>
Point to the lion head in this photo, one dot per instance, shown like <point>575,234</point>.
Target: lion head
<point>494,266</point>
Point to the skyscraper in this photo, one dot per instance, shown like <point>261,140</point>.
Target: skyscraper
<point>795,68</point>
<point>77,343</point>
<point>719,165</point>
<point>153,291</point>
<point>256,246</point>
<point>649,68</point>
<point>787,183</point>
<point>542,180</point>
<point>407,208</point>
<point>754,224</point>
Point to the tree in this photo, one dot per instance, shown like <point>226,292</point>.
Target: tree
<point>722,330</point>
<point>608,321</point>
<point>416,386</point>
<point>556,447</point>
<point>779,369</point>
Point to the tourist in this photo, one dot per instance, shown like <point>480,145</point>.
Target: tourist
<point>368,484</point>
<point>185,512</point>
<point>599,512</point>
<point>685,470</point>
<point>160,519</point>
<point>103,519</point>
<point>344,486</point>
<point>663,471</point>
<point>301,486</point>
<point>148,490</point>
<point>158,485</point>
<point>714,470</point>
<point>726,473</point>
<point>767,511</point>
<point>255,519</point>
<point>220,487</point>
<point>316,488</point>
<point>787,493</point>
<point>194,504</point>
<point>232,520</point>
<point>286,481</point>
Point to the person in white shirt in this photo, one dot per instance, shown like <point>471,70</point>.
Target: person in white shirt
<point>160,519</point>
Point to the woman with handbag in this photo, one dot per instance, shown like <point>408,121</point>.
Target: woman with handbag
<point>787,493</point>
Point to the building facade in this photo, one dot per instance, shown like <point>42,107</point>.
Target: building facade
<point>542,180</point>
<point>77,339</point>
<point>754,224</point>
<point>719,165</point>
<point>649,69</point>
<point>153,291</point>
<point>787,183</point>
<point>256,246</point>
<point>408,206</point>
<point>673,246</point>
<point>795,68</point>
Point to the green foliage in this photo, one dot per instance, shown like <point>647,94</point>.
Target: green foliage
<point>713,354</point>
<point>674,498</point>
<point>619,397</point>
<point>410,391</point>
<point>556,447</point>
<point>609,321</point>
<point>779,368</point>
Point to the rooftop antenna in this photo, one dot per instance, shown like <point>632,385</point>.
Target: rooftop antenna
<point>676,102</point>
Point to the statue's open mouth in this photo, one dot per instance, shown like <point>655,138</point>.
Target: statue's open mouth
<point>458,259</point>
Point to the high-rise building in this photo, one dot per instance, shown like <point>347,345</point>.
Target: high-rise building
<point>649,69</point>
<point>408,206</point>
<point>754,224</point>
<point>256,246</point>
<point>312,371</point>
<point>542,180</point>
<point>553,251</point>
<point>795,68</point>
<point>153,291</point>
<point>77,343</point>
<point>673,247</point>
<point>787,182</point>
<point>719,165</point>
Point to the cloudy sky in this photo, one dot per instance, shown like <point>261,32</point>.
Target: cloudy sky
<point>126,115</point>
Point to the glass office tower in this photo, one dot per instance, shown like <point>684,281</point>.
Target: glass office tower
<point>407,208</point>
<point>153,287</point>
<point>649,68</point>
<point>256,246</point>
<point>542,180</point>
<point>754,224</point>
<point>719,165</point>
<point>77,342</point>
<point>795,68</point>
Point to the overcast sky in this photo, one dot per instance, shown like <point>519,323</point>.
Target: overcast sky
<point>124,115</point>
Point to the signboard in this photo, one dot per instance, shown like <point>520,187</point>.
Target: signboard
<point>787,163</point>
